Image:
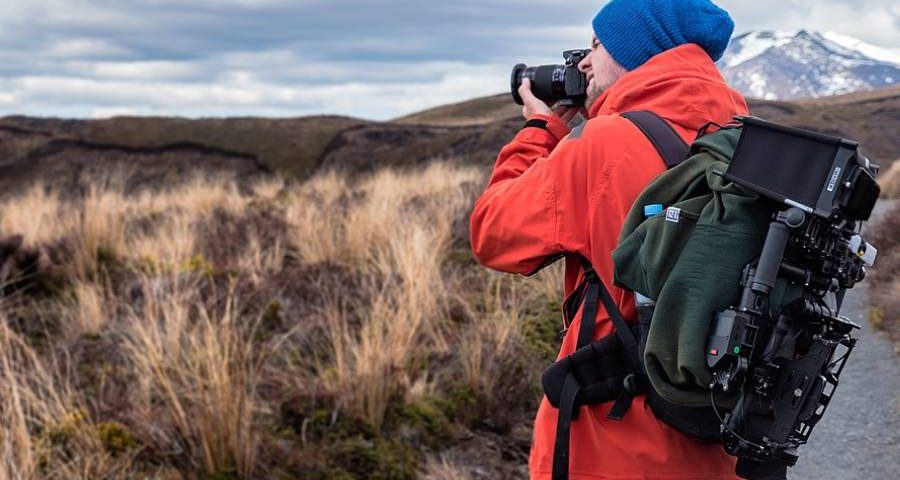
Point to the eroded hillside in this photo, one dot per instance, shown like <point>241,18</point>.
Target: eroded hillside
<point>471,132</point>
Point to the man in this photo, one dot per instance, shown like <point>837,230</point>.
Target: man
<point>553,191</point>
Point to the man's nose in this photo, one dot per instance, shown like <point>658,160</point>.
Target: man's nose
<point>585,64</point>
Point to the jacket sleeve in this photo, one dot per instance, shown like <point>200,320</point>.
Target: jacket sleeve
<point>517,224</point>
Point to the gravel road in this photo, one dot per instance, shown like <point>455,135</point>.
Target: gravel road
<point>859,436</point>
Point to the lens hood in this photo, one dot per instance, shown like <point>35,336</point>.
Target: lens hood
<point>515,80</point>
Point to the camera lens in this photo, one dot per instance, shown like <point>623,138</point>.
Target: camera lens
<point>548,82</point>
<point>515,81</point>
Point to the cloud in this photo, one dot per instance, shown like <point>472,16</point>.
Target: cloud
<point>373,59</point>
<point>872,21</point>
<point>248,93</point>
<point>151,69</point>
<point>84,48</point>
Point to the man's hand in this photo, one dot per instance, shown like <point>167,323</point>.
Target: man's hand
<point>567,113</point>
<point>532,105</point>
<point>535,106</point>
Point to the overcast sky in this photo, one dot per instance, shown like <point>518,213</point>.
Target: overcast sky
<point>374,59</point>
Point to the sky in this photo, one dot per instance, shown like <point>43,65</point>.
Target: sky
<point>373,59</point>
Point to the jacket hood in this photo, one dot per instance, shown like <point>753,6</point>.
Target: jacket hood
<point>682,85</point>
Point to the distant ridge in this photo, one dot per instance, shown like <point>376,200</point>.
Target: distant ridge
<point>864,96</point>
<point>477,111</point>
<point>472,132</point>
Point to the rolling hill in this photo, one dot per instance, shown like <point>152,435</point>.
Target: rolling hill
<point>164,149</point>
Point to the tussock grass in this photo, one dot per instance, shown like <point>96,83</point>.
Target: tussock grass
<point>202,364</point>
<point>44,430</point>
<point>286,329</point>
<point>492,338</point>
<point>443,469</point>
<point>89,309</point>
<point>334,221</point>
<point>399,231</point>
<point>890,181</point>
<point>884,278</point>
<point>35,215</point>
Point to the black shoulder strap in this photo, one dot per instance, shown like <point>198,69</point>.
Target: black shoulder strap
<point>593,292</point>
<point>596,293</point>
<point>668,143</point>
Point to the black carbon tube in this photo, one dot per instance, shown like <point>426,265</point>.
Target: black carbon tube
<point>770,258</point>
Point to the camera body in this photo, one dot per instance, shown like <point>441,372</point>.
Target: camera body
<point>776,369</point>
<point>561,84</point>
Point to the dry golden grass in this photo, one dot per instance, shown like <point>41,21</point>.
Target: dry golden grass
<point>98,229</point>
<point>44,431</point>
<point>203,365</point>
<point>331,220</point>
<point>549,282</point>
<point>197,361</point>
<point>203,195</point>
<point>883,280</point>
<point>35,215</point>
<point>890,181</point>
<point>269,189</point>
<point>196,343</point>
<point>168,247</point>
<point>491,339</point>
<point>399,231</point>
<point>259,260</point>
<point>442,469</point>
<point>90,308</point>
<point>316,217</point>
<point>94,224</point>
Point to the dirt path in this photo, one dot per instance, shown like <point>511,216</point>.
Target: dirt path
<point>859,437</point>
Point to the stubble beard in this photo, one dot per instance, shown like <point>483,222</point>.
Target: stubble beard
<point>592,95</point>
<point>602,80</point>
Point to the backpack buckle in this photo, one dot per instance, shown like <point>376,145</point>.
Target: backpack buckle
<point>629,383</point>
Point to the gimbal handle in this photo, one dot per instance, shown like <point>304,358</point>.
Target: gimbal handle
<point>773,249</point>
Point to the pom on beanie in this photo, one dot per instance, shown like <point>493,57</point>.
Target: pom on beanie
<point>633,31</point>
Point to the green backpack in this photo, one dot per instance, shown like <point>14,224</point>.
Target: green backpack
<point>690,259</point>
<point>667,258</point>
<point>700,250</point>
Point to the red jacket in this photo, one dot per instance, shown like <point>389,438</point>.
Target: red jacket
<point>553,191</point>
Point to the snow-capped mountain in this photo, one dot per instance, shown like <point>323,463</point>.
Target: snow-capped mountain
<point>784,65</point>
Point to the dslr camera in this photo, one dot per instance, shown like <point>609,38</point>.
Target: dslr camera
<point>561,84</point>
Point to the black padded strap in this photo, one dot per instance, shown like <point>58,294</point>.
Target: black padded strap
<point>568,405</point>
<point>623,332</point>
<point>665,139</point>
<point>591,301</point>
<point>572,303</point>
<point>633,383</point>
<point>596,290</point>
<point>593,290</point>
<point>568,411</point>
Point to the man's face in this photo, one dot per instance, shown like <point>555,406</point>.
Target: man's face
<point>601,70</point>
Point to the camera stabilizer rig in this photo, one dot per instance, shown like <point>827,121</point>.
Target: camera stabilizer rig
<point>776,370</point>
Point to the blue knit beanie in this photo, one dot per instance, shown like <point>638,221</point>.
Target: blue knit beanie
<point>632,31</point>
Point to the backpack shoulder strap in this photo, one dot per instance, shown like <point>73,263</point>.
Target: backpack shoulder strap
<point>668,143</point>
